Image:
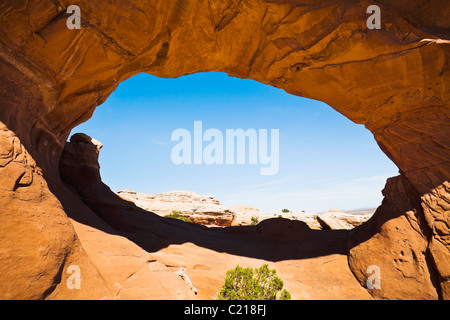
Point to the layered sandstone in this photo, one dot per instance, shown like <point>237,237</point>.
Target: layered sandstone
<point>394,81</point>
<point>199,209</point>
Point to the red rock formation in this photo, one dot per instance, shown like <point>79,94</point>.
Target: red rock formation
<point>394,80</point>
<point>396,239</point>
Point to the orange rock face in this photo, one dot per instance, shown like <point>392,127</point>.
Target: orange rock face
<point>394,80</point>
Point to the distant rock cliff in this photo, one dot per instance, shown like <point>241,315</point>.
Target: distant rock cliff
<point>201,210</point>
<point>209,211</point>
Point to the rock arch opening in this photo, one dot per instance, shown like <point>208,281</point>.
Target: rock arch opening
<point>325,161</point>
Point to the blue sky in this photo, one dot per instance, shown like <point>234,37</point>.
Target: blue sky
<point>326,161</point>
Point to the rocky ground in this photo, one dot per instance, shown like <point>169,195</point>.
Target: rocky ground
<point>208,211</point>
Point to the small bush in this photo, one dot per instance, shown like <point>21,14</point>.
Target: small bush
<point>249,284</point>
<point>177,215</point>
<point>285,210</point>
<point>255,221</point>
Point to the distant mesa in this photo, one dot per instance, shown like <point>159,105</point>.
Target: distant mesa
<point>208,211</point>
<point>199,209</point>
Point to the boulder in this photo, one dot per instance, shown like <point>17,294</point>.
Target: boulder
<point>336,220</point>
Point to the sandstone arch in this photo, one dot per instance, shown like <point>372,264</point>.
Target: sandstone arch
<point>395,81</point>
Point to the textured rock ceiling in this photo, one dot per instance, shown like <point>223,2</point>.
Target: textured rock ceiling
<point>395,81</point>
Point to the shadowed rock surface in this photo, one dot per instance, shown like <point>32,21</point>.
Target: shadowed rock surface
<point>395,81</point>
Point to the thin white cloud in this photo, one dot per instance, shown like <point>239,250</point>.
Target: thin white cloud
<point>159,142</point>
<point>320,196</point>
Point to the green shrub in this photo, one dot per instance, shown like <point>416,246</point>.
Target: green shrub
<point>285,210</point>
<point>255,221</point>
<point>285,295</point>
<point>177,215</point>
<point>252,284</point>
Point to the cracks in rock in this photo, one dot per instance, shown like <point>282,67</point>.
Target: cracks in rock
<point>435,277</point>
<point>328,261</point>
<point>56,279</point>
<point>59,15</point>
<point>226,20</point>
<point>228,14</point>
<point>24,180</point>
<point>114,45</point>
<point>73,55</point>
<point>162,54</point>
<point>146,264</point>
<point>401,52</point>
